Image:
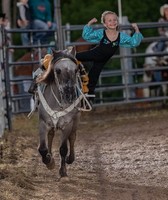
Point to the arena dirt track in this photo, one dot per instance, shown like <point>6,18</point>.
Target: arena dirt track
<point>121,154</point>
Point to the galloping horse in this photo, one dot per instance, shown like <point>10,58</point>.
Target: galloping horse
<point>152,75</point>
<point>59,107</point>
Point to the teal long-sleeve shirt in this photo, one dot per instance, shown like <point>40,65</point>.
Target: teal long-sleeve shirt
<point>95,36</point>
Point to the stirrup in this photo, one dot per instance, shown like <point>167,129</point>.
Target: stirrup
<point>87,102</point>
<point>90,95</point>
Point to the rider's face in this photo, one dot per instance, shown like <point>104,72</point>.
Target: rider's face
<point>166,13</point>
<point>111,21</point>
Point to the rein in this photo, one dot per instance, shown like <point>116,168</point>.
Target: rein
<point>55,97</point>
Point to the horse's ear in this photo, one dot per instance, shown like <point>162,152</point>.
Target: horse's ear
<point>53,51</point>
<point>72,50</point>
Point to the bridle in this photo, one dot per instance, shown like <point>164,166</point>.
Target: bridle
<point>60,88</point>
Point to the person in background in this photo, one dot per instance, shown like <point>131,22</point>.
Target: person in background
<point>4,21</point>
<point>41,19</point>
<point>108,40</point>
<point>23,20</point>
<point>2,18</point>
<point>163,31</point>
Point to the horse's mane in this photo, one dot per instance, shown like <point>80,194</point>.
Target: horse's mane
<point>48,75</point>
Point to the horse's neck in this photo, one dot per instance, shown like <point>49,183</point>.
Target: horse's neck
<point>52,96</point>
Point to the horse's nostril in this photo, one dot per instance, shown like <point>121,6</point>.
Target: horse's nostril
<point>58,71</point>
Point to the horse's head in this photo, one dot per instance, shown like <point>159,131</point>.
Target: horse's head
<point>63,72</point>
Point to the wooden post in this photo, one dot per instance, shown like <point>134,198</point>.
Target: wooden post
<point>58,20</point>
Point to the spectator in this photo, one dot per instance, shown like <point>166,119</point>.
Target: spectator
<point>41,19</point>
<point>2,18</point>
<point>163,31</point>
<point>23,20</point>
<point>4,23</point>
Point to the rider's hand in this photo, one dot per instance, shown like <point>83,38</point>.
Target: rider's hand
<point>49,24</point>
<point>94,20</point>
<point>135,27</point>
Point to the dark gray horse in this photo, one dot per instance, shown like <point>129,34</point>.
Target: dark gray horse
<point>59,108</point>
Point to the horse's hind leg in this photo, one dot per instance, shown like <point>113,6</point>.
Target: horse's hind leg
<point>69,133</point>
<point>72,138</point>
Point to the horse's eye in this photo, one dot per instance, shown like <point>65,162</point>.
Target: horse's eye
<point>58,71</point>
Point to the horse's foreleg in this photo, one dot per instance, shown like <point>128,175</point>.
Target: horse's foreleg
<point>43,148</point>
<point>71,157</point>
<point>63,153</point>
<point>51,164</point>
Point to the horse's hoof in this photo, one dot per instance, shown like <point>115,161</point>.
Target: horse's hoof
<point>62,173</point>
<point>51,165</point>
<point>64,179</point>
<point>69,160</point>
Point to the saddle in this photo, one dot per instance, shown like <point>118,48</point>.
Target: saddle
<point>83,74</point>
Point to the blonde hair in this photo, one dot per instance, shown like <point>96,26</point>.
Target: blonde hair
<point>106,13</point>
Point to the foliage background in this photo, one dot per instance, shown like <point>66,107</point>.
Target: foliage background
<point>81,11</point>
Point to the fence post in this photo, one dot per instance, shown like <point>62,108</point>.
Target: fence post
<point>126,64</point>
<point>2,110</point>
<point>5,58</point>
<point>57,10</point>
<point>2,86</point>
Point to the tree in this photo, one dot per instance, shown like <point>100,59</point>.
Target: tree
<point>80,12</point>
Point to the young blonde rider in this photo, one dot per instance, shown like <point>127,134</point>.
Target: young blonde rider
<point>108,40</point>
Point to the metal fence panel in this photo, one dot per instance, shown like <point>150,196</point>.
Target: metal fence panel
<point>129,73</point>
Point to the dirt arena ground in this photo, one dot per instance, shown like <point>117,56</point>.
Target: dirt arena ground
<point>121,154</point>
